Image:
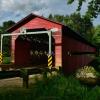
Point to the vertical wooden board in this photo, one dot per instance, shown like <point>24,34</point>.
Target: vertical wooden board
<point>13,38</point>
<point>22,53</point>
<point>71,63</point>
<point>58,56</point>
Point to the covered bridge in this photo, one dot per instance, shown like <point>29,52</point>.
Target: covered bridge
<point>69,49</point>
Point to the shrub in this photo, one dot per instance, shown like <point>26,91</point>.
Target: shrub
<point>87,72</point>
<point>6,60</point>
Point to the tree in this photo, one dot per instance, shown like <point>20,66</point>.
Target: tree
<point>6,40</point>
<point>59,18</point>
<point>50,17</point>
<point>93,7</point>
<point>92,12</point>
<point>96,36</point>
<point>80,24</point>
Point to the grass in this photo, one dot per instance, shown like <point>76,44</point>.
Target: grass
<point>53,88</point>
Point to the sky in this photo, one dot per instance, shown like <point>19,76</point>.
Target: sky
<point>17,9</point>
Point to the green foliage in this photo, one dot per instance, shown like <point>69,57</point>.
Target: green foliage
<point>87,72</point>
<point>6,46</point>
<point>96,63</point>
<point>70,1</point>
<point>55,88</point>
<point>84,25</point>
<point>6,60</point>
<point>93,7</point>
<point>6,25</point>
<point>96,35</point>
<point>50,17</point>
<point>6,40</point>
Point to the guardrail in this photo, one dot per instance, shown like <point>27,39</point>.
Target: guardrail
<point>24,73</point>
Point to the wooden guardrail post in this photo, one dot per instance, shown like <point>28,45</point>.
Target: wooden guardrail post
<point>45,74</point>
<point>25,76</point>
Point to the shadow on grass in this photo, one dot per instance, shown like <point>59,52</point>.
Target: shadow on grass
<point>56,87</point>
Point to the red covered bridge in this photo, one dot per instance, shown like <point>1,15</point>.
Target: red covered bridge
<point>69,48</point>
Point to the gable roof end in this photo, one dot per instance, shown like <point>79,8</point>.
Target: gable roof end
<point>27,19</point>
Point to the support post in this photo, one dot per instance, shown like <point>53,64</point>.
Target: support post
<point>50,50</point>
<point>50,47</point>
<point>1,55</point>
<point>25,77</point>
<point>25,81</point>
<point>1,43</point>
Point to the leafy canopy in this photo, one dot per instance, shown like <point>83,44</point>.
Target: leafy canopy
<point>93,7</point>
<point>77,22</point>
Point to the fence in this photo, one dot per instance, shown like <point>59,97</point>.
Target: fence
<point>24,73</point>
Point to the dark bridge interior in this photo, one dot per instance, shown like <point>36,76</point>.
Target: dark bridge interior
<point>33,49</point>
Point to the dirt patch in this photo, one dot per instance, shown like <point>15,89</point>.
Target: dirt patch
<point>17,82</point>
<point>11,82</point>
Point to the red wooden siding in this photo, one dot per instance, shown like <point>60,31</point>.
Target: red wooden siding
<point>22,52</point>
<point>72,62</point>
<point>41,23</point>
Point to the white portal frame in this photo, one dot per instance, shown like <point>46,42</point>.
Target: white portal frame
<point>23,32</point>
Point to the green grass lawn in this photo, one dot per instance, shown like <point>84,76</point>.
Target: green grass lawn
<point>53,88</point>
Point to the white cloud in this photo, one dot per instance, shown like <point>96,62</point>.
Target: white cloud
<point>17,9</point>
<point>6,5</point>
<point>20,5</point>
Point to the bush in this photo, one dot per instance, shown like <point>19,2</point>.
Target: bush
<point>87,72</point>
<point>6,53</point>
<point>96,63</point>
<point>88,75</point>
<point>6,60</point>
